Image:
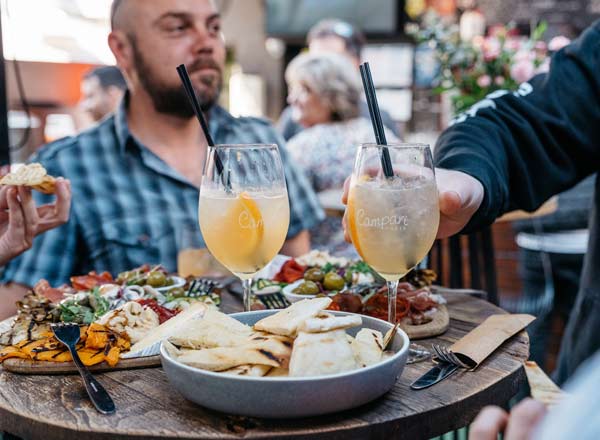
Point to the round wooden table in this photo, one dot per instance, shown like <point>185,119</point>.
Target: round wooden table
<point>56,407</point>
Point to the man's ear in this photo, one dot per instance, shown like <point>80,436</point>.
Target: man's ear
<point>121,48</point>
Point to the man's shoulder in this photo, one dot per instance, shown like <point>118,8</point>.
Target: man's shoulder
<point>245,129</point>
<point>53,149</point>
<point>255,121</point>
<point>72,145</point>
<point>224,117</point>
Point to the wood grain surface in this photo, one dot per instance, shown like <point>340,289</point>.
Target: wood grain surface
<point>56,407</point>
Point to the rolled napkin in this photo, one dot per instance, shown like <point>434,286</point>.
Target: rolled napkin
<point>480,342</point>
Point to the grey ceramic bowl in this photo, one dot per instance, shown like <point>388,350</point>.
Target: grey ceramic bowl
<point>288,397</point>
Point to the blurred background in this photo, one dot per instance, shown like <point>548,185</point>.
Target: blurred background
<point>46,53</point>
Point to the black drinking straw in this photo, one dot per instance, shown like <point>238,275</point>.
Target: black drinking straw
<point>367,80</point>
<point>191,94</point>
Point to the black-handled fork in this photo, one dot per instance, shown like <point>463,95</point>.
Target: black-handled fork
<point>69,335</point>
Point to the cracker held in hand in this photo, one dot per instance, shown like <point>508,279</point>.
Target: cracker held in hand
<point>32,175</point>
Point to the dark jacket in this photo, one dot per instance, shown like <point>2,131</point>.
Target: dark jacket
<point>528,145</point>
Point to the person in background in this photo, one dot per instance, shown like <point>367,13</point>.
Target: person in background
<point>21,220</point>
<point>333,36</point>
<point>551,254</point>
<point>324,96</point>
<point>102,89</point>
<point>136,175</point>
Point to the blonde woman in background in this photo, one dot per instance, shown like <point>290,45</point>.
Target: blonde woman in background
<point>324,95</point>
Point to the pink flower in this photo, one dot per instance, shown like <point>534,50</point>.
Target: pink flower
<point>557,43</point>
<point>484,81</point>
<point>522,70</point>
<point>478,41</point>
<point>544,67</point>
<point>513,44</point>
<point>524,55</point>
<point>491,49</point>
<point>499,81</point>
<point>497,30</point>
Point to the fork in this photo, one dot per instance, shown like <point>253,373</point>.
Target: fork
<point>274,300</point>
<point>447,356</point>
<point>69,335</point>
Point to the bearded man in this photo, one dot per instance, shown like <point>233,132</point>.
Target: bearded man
<point>135,177</point>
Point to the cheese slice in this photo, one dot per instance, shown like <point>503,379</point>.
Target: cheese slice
<point>149,345</point>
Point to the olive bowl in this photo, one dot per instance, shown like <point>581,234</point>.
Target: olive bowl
<point>290,397</point>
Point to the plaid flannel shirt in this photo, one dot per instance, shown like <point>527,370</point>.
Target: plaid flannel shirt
<point>128,205</point>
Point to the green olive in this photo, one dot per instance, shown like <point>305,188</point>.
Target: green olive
<point>124,276</point>
<point>348,276</point>
<point>177,292</point>
<point>307,288</point>
<point>314,274</point>
<point>333,281</point>
<point>156,279</point>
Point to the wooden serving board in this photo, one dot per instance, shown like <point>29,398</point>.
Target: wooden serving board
<point>28,366</point>
<point>439,325</point>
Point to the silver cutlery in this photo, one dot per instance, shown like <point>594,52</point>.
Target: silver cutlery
<point>69,335</point>
<point>448,363</point>
<point>447,356</point>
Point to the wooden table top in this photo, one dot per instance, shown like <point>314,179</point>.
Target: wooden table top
<point>56,407</point>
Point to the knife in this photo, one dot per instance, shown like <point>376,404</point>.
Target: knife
<point>438,373</point>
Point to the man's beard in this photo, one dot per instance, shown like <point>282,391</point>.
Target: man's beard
<point>173,100</point>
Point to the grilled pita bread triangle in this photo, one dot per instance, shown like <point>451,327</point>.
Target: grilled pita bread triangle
<point>317,354</point>
<point>287,321</point>
<point>367,347</point>
<point>327,323</point>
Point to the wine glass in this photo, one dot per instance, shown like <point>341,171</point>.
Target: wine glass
<point>393,221</point>
<point>244,210</point>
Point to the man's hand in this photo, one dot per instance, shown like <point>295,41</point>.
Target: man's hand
<point>21,220</point>
<point>520,424</point>
<point>459,197</point>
